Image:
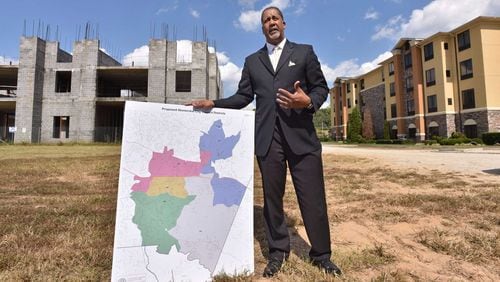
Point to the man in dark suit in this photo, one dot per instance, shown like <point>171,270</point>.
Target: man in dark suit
<point>289,86</point>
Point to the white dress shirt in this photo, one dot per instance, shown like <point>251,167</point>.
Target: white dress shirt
<point>274,52</point>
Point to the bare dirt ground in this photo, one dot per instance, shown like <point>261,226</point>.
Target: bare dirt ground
<point>427,214</point>
<point>477,161</point>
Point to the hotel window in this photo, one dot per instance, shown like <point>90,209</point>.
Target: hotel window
<point>448,73</point>
<point>433,131</point>
<point>392,89</point>
<point>466,69</point>
<point>393,111</point>
<point>468,99</point>
<point>470,130</point>
<point>348,85</point>
<point>407,60</point>
<point>450,101</point>
<point>183,81</point>
<point>410,107</point>
<point>429,51</point>
<point>430,77</point>
<point>432,103</point>
<point>391,68</point>
<point>446,46</point>
<point>409,83</point>
<point>463,40</point>
<point>362,84</point>
<point>349,103</point>
<point>60,127</point>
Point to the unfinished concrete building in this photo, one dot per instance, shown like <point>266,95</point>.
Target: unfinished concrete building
<point>53,96</point>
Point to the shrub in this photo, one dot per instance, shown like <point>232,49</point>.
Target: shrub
<point>454,141</point>
<point>430,142</point>
<point>383,141</point>
<point>491,138</point>
<point>457,135</point>
<point>476,141</point>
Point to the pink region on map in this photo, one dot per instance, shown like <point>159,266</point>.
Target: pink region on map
<point>142,185</point>
<point>165,164</point>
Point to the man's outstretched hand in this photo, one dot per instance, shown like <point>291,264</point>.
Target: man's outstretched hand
<point>296,100</point>
<point>201,104</point>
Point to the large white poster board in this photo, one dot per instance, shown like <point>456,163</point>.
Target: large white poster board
<point>185,196</point>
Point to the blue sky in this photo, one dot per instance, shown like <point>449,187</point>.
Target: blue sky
<point>349,37</point>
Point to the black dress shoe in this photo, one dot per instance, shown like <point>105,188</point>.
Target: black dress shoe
<point>328,267</point>
<point>272,267</point>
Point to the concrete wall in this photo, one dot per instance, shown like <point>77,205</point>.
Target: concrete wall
<point>157,72</point>
<point>30,89</point>
<point>373,100</point>
<point>38,102</point>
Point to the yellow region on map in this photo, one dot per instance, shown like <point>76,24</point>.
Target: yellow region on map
<point>167,184</point>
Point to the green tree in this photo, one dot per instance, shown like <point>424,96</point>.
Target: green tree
<point>322,123</point>
<point>354,126</point>
<point>387,130</point>
<point>322,118</point>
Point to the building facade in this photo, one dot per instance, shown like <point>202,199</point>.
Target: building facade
<point>54,96</point>
<point>448,82</point>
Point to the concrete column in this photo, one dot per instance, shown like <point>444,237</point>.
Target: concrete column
<point>214,82</point>
<point>345,116</point>
<point>84,85</point>
<point>418,90</point>
<point>400,92</point>
<point>30,90</point>
<point>338,110</point>
<point>157,72</point>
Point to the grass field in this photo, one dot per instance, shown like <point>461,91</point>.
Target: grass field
<point>57,206</point>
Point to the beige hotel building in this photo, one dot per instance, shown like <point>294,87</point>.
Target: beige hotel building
<point>448,82</point>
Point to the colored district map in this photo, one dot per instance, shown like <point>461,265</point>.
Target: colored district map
<point>180,219</point>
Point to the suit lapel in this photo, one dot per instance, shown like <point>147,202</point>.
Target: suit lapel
<point>264,58</point>
<point>285,55</point>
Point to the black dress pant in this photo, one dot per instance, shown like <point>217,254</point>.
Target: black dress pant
<point>307,176</point>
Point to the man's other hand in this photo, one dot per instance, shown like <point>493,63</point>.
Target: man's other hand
<point>297,100</point>
<point>201,104</point>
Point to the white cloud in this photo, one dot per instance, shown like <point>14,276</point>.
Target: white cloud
<point>371,14</point>
<point>8,61</point>
<point>138,57</point>
<point>439,15</point>
<point>222,58</point>
<point>169,8</point>
<point>351,68</point>
<point>247,3</point>
<point>230,73</point>
<point>249,20</point>
<point>340,38</point>
<point>301,7</point>
<point>390,29</point>
<point>194,13</point>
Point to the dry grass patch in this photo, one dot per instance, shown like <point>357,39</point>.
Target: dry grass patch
<point>58,209</point>
<point>58,212</point>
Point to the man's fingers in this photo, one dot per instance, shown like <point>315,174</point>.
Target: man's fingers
<point>284,92</point>
<point>296,85</point>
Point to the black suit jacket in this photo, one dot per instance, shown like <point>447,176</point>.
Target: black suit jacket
<point>298,62</point>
